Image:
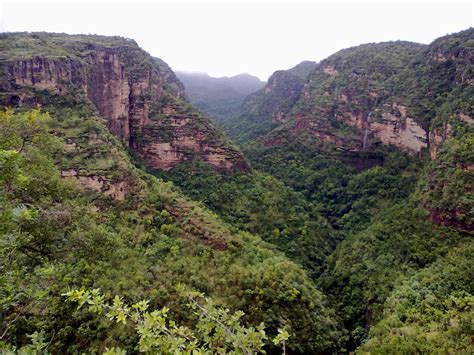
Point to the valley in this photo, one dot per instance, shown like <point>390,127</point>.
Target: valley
<point>328,210</point>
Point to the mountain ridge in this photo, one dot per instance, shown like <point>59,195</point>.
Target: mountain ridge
<point>139,95</point>
<point>359,98</point>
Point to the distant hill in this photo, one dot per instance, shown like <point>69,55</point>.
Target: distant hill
<point>218,97</point>
<point>263,110</point>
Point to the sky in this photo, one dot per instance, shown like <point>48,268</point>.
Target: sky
<point>225,38</point>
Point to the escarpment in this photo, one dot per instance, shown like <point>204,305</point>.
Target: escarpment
<point>139,95</point>
<point>268,107</point>
<point>350,101</point>
<point>402,94</point>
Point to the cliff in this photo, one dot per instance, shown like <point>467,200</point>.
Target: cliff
<point>350,100</point>
<point>139,95</point>
<point>403,94</point>
<point>265,109</point>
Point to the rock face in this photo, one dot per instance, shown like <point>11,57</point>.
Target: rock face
<point>114,189</point>
<point>402,94</point>
<point>139,95</point>
<point>394,127</point>
<point>348,100</point>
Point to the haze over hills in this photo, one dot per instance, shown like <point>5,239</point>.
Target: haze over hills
<point>342,221</point>
<point>261,111</point>
<point>218,97</point>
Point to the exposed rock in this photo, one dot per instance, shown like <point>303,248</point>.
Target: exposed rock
<point>437,137</point>
<point>466,118</point>
<point>271,103</point>
<point>398,129</point>
<point>115,189</point>
<point>69,173</point>
<point>403,133</point>
<point>133,91</point>
<point>70,147</point>
<point>440,134</point>
<point>162,155</point>
<point>330,70</point>
<point>356,120</point>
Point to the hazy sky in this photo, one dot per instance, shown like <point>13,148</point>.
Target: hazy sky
<point>229,37</point>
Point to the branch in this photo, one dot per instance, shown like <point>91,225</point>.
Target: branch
<point>9,326</point>
<point>206,313</point>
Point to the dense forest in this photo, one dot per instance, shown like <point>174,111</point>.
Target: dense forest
<point>339,221</point>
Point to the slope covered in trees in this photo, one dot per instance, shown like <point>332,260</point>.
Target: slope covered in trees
<point>379,141</point>
<point>138,241</point>
<point>263,110</point>
<point>347,226</point>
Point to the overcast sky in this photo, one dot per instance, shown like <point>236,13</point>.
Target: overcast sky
<point>229,37</point>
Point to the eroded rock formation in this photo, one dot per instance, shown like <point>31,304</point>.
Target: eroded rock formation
<point>140,96</point>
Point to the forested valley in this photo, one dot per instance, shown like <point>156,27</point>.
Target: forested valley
<point>328,210</point>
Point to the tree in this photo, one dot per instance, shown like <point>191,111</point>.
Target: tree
<point>216,330</point>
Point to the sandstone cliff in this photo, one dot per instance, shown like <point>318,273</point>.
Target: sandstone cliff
<point>402,94</point>
<point>349,100</point>
<point>139,95</point>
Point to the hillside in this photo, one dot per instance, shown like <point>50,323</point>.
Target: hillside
<point>341,223</point>
<point>393,93</point>
<point>366,105</point>
<point>218,97</point>
<point>139,95</point>
<point>264,110</point>
<point>380,140</point>
<point>77,213</point>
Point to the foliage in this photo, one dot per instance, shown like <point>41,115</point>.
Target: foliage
<point>261,205</point>
<point>431,311</point>
<point>363,270</point>
<point>386,236</point>
<point>55,236</point>
<point>446,189</point>
<point>346,197</point>
<point>258,112</point>
<point>216,330</point>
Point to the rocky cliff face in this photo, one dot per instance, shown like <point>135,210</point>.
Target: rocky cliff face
<point>349,100</point>
<point>140,96</point>
<point>445,87</point>
<point>402,94</point>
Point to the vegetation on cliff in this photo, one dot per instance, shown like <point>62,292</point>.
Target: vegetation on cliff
<point>347,144</point>
<point>346,227</point>
<point>58,236</point>
<point>263,110</point>
<point>139,95</point>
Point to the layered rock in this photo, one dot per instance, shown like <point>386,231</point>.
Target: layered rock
<point>140,96</point>
<point>402,94</point>
<point>352,89</point>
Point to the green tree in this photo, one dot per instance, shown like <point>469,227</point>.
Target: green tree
<point>217,330</point>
